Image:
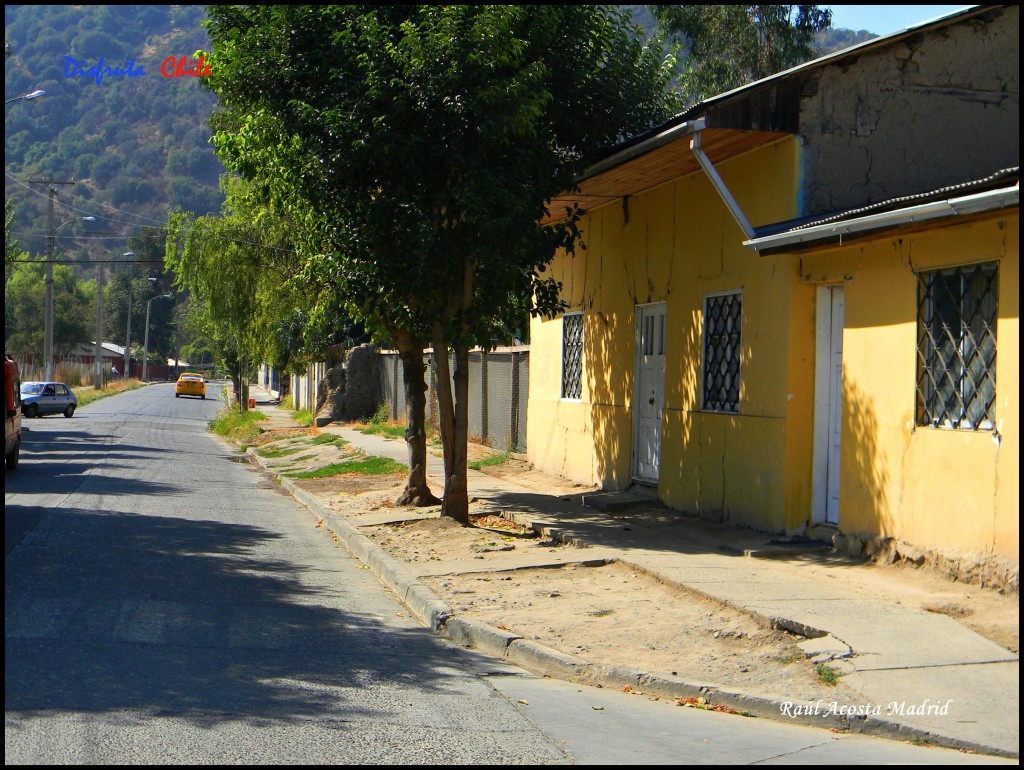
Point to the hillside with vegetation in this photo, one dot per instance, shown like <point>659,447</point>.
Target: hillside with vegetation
<point>136,144</point>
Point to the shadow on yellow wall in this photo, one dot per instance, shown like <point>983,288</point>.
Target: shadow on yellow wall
<point>864,482</point>
<point>608,345</point>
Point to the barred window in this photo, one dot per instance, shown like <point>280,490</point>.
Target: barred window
<point>723,315</point>
<point>572,355</point>
<point>956,347</point>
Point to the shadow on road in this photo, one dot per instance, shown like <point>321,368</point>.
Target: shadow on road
<point>196,619</point>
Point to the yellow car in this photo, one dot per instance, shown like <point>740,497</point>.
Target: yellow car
<point>190,385</point>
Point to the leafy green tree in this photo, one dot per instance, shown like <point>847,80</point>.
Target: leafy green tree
<point>235,267</point>
<point>195,336</point>
<point>729,45</point>
<point>23,309</point>
<point>24,296</point>
<point>129,280</point>
<point>11,250</point>
<point>420,146</point>
<point>73,318</point>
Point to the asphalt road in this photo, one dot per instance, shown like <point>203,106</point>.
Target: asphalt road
<point>166,603</point>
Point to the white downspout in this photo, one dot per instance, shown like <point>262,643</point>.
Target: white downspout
<point>717,183</point>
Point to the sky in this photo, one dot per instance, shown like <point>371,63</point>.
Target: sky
<point>883,19</point>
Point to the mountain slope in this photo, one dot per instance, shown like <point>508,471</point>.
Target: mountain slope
<point>135,142</point>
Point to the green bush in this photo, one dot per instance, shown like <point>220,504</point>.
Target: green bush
<point>382,415</point>
<point>237,425</point>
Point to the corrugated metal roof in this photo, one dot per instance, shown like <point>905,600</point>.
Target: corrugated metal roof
<point>998,179</point>
<point>997,192</point>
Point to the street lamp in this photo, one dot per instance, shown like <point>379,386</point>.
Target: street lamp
<point>145,344</point>
<point>48,304</point>
<point>26,97</point>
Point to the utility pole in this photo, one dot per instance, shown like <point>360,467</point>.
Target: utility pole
<point>98,370</point>
<point>97,381</point>
<point>48,306</point>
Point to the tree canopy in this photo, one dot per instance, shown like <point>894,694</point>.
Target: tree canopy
<point>421,146</point>
<point>727,46</point>
<point>236,268</point>
<point>422,132</point>
<point>24,290</point>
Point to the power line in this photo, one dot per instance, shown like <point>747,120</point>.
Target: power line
<point>103,205</point>
<point>161,226</point>
<point>90,261</point>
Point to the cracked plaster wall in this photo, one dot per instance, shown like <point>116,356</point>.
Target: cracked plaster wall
<point>938,108</point>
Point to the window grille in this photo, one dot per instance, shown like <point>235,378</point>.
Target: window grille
<point>723,314</point>
<point>572,355</point>
<point>956,347</point>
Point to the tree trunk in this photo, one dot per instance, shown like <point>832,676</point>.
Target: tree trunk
<point>445,402</point>
<point>454,419</point>
<point>417,492</point>
<point>456,492</point>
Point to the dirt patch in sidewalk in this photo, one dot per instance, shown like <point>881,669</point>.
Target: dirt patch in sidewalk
<point>611,614</point>
<point>605,613</point>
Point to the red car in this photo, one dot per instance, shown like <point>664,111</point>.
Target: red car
<point>12,408</point>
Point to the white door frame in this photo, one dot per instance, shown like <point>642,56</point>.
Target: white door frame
<point>658,331</point>
<point>828,395</point>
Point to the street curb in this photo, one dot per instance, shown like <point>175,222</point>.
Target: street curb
<point>513,648</point>
<point>423,603</point>
<point>487,639</point>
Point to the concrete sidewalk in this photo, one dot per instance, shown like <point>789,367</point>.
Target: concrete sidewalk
<point>921,675</point>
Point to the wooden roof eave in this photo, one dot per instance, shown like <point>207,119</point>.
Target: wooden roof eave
<point>663,163</point>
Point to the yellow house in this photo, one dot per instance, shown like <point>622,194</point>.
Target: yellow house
<point>789,307</point>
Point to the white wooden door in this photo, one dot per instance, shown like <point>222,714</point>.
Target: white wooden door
<point>649,393</point>
<point>828,403</point>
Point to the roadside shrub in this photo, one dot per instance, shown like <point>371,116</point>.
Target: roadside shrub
<point>237,425</point>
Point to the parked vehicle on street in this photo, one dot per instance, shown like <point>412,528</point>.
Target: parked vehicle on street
<point>190,384</point>
<point>12,412</point>
<point>39,398</point>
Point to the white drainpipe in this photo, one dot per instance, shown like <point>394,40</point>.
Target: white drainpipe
<point>717,183</point>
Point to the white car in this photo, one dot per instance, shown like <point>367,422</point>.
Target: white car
<point>39,398</point>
